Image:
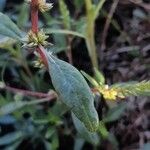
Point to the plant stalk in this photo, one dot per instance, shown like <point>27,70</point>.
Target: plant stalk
<point>34,22</point>
<point>90,33</point>
<point>29,93</point>
<point>34,15</point>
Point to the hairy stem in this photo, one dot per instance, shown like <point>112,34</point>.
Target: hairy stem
<point>34,15</point>
<point>34,22</point>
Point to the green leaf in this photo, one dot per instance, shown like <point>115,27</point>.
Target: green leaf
<point>10,138</point>
<point>99,77</point>
<point>84,133</point>
<point>103,130</point>
<point>23,15</point>
<point>115,113</point>
<point>78,143</point>
<point>65,14</point>
<point>90,79</point>
<point>98,8</point>
<point>9,28</point>
<point>13,146</point>
<point>55,142</point>
<point>112,139</point>
<point>74,91</point>
<point>59,109</point>
<point>61,31</point>
<point>60,40</point>
<point>11,107</point>
<point>48,145</point>
<point>7,120</point>
<point>6,42</point>
<point>80,25</point>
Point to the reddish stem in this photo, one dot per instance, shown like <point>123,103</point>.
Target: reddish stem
<point>41,52</point>
<point>94,90</point>
<point>31,93</point>
<point>34,22</point>
<point>34,15</point>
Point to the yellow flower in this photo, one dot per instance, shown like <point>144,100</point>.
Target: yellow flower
<point>108,93</point>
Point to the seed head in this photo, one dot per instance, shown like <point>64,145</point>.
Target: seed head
<point>44,6</point>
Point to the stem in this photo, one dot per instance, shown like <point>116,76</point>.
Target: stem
<point>69,51</point>
<point>34,22</point>
<point>90,42</point>
<point>107,24</point>
<point>42,54</point>
<point>90,34</point>
<point>34,15</point>
<point>34,102</point>
<point>88,4</point>
<point>30,93</point>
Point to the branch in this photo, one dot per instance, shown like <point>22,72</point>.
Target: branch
<point>34,15</point>
<point>34,22</point>
<point>107,24</point>
<point>51,95</point>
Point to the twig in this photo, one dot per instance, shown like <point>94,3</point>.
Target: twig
<point>69,51</point>
<point>51,95</point>
<point>34,22</point>
<point>107,24</point>
<point>34,15</point>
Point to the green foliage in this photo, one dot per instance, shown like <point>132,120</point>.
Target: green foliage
<point>115,113</point>
<point>99,77</point>
<point>65,14</point>
<point>99,7</point>
<point>74,91</point>
<point>84,26</point>
<point>6,42</point>
<point>13,106</point>
<point>23,15</point>
<point>103,130</point>
<point>90,79</point>
<point>78,144</point>
<point>46,121</point>
<point>133,88</point>
<point>8,28</point>
<point>10,138</point>
<point>92,12</point>
<point>61,31</point>
<point>84,133</point>
<point>60,40</point>
<point>118,90</point>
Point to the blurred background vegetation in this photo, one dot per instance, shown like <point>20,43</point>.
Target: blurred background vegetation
<point>123,52</point>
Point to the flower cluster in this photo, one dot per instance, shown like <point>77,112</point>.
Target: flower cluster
<point>108,93</point>
<point>34,39</point>
<point>44,6</point>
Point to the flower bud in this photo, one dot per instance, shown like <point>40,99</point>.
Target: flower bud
<point>34,39</point>
<point>44,6</point>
